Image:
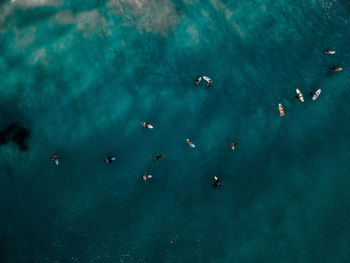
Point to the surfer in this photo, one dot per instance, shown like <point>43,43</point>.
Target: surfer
<point>280,107</point>
<point>198,80</point>
<point>147,125</point>
<point>330,52</point>
<point>146,177</point>
<point>157,158</point>
<point>190,143</point>
<point>299,95</point>
<point>217,183</point>
<point>233,145</point>
<point>336,68</point>
<point>55,158</point>
<point>110,159</point>
<point>209,80</point>
<point>316,94</point>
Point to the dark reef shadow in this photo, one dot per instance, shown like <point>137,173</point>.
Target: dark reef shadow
<point>13,127</point>
<point>16,133</point>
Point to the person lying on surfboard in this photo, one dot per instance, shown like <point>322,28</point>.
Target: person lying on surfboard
<point>190,143</point>
<point>147,125</point>
<point>280,107</point>
<point>146,177</point>
<point>198,80</point>
<point>336,68</point>
<point>316,94</point>
<point>233,145</point>
<point>55,158</point>
<point>110,159</point>
<point>157,158</point>
<point>299,95</point>
<point>207,79</point>
<point>330,52</point>
<point>217,183</point>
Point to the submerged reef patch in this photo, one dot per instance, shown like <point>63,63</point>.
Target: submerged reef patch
<point>147,16</point>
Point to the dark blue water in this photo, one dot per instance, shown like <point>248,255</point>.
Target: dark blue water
<point>78,77</point>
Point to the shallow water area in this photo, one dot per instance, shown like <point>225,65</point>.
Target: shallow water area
<point>82,75</point>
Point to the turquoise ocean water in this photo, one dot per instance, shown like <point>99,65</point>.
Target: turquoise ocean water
<point>80,76</point>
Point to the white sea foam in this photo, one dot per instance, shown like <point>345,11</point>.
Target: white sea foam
<point>333,9</point>
<point>36,3</point>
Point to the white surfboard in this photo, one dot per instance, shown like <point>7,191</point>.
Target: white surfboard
<point>330,52</point>
<point>280,108</point>
<point>207,79</point>
<point>317,93</point>
<point>233,146</point>
<point>57,161</point>
<point>146,177</point>
<point>300,95</point>
<point>337,69</point>
<point>190,144</point>
<point>149,125</point>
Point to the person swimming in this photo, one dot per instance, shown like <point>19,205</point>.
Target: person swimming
<point>110,159</point>
<point>147,125</point>
<point>56,159</point>
<point>209,80</point>
<point>157,158</point>
<point>233,145</point>
<point>336,69</point>
<point>198,80</point>
<point>329,52</point>
<point>217,183</point>
<point>146,177</point>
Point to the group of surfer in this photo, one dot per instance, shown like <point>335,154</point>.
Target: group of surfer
<point>209,80</point>
<point>110,159</point>
<point>145,177</point>
<point>189,142</point>
<point>335,68</point>
<point>317,92</point>
<point>216,183</point>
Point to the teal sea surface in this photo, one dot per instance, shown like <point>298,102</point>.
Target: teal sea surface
<point>78,77</point>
